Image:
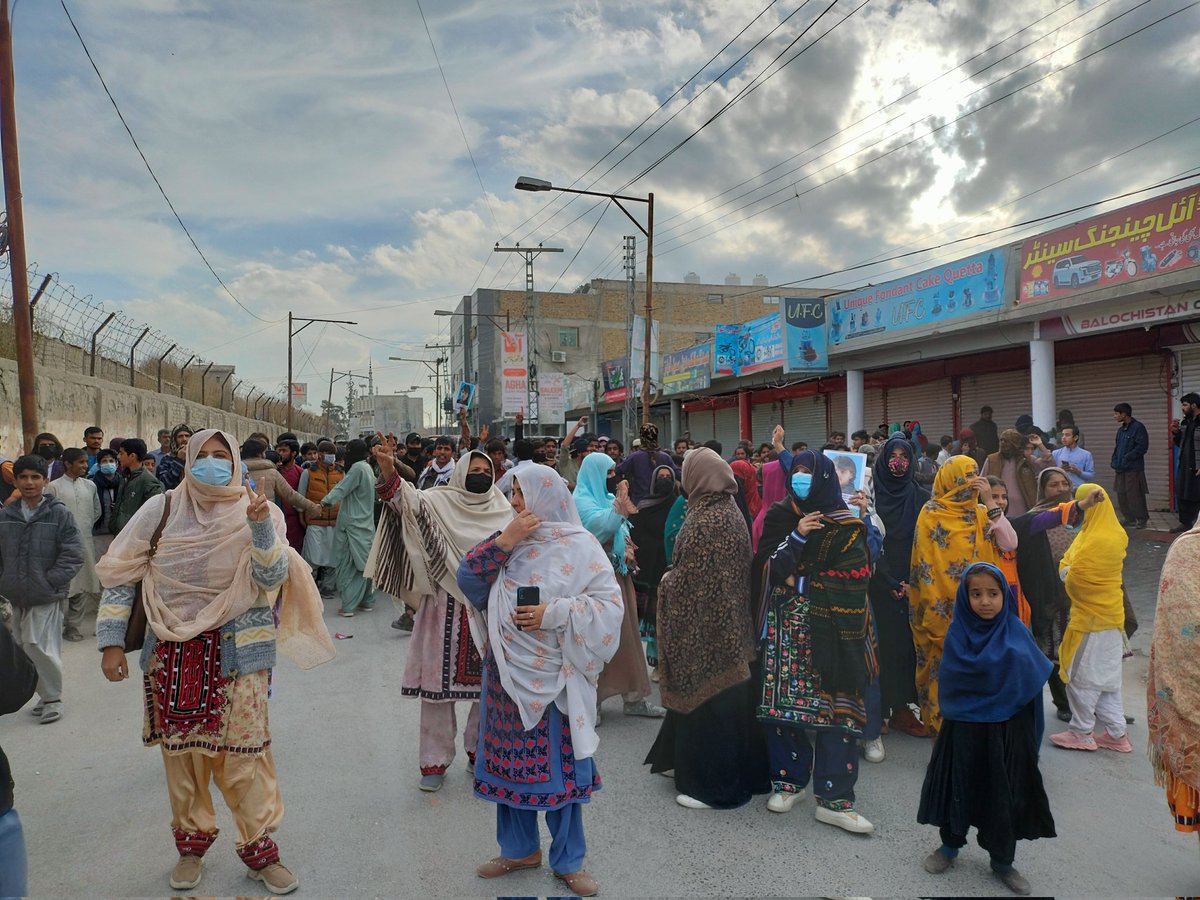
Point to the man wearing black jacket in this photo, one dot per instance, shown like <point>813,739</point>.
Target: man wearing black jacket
<point>18,679</point>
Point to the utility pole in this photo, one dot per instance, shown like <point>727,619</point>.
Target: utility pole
<point>17,263</point>
<point>435,368</point>
<point>531,321</point>
<point>629,410</point>
<point>291,334</point>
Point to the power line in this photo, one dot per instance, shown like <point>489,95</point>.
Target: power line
<point>457,117</point>
<point>150,169</point>
<point>581,246</point>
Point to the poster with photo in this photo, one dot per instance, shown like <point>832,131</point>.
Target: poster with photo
<point>465,398</point>
<point>851,471</point>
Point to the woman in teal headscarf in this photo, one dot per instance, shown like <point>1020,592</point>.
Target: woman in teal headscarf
<point>606,515</point>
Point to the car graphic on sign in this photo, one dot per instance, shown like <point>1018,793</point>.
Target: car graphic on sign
<point>1075,270</point>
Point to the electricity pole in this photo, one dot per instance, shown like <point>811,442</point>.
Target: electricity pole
<point>291,334</point>
<point>18,264</point>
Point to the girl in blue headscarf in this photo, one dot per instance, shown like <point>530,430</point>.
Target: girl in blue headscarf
<point>984,767</point>
<point>606,515</point>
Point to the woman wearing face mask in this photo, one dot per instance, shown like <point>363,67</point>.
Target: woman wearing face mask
<point>898,501</point>
<point>50,448</point>
<point>422,538</point>
<point>954,530</point>
<point>708,738</point>
<point>606,515</point>
<point>222,589</point>
<point>108,484</point>
<point>354,530</point>
<point>649,535</point>
<point>812,571</point>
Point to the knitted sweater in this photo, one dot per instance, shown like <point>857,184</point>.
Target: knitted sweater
<point>247,641</point>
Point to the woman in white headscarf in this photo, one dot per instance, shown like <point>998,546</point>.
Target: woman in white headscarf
<point>421,539</point>
<point>222,589</point>
<point>554,612</point>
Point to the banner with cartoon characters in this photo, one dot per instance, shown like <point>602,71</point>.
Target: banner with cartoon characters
<point>952,291</point>
<point>748,347</point>
<point>805,336</point>
<point>1153,236</point>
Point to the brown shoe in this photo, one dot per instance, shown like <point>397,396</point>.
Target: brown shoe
<point>502,865</point>
<point>276,878</point>
<point>187,873</point>
<point>580,883</point>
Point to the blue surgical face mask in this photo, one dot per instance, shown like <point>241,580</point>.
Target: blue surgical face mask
<point>213,471</point>
<point>330,459</point>
<point>802,484</point>
<point>108,468</point>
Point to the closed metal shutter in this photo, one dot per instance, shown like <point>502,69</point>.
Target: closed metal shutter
<point>804,420</point>
<point>1090,390</point>
<point>1007,393</point>
<point>1189,370</point>
<point>727,430</point>
<point>932,404</point>
<point>873,409</point>
<point>764,417</point>
<point>700,425</point>
<point>837,413</point>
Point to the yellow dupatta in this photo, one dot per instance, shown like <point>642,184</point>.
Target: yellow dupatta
<point>1092,572</point>
<point>951,534</point>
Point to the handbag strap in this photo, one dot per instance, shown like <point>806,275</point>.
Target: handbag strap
<point>162,523</point>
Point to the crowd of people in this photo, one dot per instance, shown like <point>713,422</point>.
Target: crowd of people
<point>791,609</point>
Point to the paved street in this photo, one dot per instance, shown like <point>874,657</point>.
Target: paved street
<point>95,807</point>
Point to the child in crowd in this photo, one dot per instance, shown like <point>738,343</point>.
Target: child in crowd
<point>984,768</point>
<point>1008,558</point>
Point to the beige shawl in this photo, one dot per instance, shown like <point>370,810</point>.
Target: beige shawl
<point>200,577</point>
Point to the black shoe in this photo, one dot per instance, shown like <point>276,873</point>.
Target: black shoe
<point>1180,529</point>
<point>1064,715</point>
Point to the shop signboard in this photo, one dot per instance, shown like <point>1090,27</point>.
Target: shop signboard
<point>552,398</point>
<point>514,372</point>
<point>749,347</point>
<point>1120,316</point>
<point>805,337</point>
<point>1157,235</point>
<point>952,291</point>
<point>688,370</point>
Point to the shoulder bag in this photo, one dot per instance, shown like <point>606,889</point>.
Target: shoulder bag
<point>135,631</point>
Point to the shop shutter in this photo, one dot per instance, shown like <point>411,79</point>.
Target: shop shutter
<point>700,425</point>
<point>764,417</point>
<point>873,409</point>
<point>932,404</point>
<point>804,420</point>
<point>727,430</point>
<point>837,413</point>
<point>1189,370</point>
<point>1090,390</point>
<point>1007,393</point>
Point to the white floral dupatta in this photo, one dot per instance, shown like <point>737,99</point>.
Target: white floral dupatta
<point>582,624</point>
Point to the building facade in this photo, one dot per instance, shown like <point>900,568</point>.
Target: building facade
<point>388,413</point>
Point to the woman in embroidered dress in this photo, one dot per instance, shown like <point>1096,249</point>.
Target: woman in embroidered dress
<point>541,666</point>
<point>1173,684</point>
<point>421,539</point>
<point>812,568</point>
<point>954,530</point>
<point>221,589</point>
<point>606,516</point>
<point>708,738</point>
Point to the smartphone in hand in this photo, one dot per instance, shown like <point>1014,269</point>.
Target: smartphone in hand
<point>529,596</point>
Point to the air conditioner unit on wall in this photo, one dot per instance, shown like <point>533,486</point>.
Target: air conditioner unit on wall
<point>558,356</point>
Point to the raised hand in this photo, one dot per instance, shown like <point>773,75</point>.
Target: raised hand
<point>525,524</point>
<point>257,511</point>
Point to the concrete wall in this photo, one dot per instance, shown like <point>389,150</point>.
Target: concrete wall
<point>69,402</point>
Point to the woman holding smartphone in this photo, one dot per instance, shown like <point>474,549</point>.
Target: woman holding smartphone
<point>541,664</point>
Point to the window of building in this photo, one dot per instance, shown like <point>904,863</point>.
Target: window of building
<point>770,301</point>
<point>716,298</point>
<point>701,336</point>
<point>568,337</point>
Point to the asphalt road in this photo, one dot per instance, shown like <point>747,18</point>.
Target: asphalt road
<point>96,814</point>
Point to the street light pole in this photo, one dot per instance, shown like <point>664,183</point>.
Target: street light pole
<point>525,183</point>
<point>291,334</point>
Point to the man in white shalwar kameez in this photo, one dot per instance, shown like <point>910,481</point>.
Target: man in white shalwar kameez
<point>79,493</point>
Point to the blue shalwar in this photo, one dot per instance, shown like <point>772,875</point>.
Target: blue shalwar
<point>525,771</point>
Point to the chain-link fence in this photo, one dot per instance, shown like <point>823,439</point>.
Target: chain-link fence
<point>74,333</point>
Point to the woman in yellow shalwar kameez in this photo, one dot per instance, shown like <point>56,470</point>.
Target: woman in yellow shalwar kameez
<point>1089,658</point>
<point>953,531</point>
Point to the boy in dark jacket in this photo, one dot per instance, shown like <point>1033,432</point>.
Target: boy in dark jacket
<point>138,486</point>
<point>18,678</point>
<point>40,552</point>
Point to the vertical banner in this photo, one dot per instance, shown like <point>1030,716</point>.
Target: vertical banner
<point>725,350</point>
<point>552,398</point>
<point>514,372</point>
<point>805,339</point>
<point>638,357</point>
<point>299,392</point>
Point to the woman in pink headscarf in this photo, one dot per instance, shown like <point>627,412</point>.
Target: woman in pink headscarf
<point>774,489</point>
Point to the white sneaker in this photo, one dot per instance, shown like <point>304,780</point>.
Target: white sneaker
<point>783,802</point>
<point>872,750</point>
<point>690,802</point>
<point>847,820</point>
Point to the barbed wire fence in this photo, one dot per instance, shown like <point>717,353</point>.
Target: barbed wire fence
<point>76,333</point>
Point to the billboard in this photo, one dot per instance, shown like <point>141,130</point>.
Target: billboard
<point>689,369</point>
<point>805,336</point>
<point>514,372</point>
<point>952,291</point>
<point>748,347</point>
<point>1147,238</point>
<point>552,398</point>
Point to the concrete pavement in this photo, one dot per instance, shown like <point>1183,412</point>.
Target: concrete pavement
<point>95,807</point>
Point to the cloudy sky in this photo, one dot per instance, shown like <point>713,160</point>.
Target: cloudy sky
<point>312,148</point>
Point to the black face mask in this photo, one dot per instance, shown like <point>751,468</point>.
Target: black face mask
<point>46,451</point>
<point>479,483</point>
<point>662,487</point>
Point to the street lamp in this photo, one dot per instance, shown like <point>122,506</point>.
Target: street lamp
<point>493,319</point>
<point>526,183</point>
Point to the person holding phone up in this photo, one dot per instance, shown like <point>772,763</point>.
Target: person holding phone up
<point>554,612</point>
